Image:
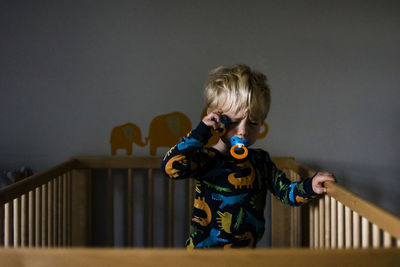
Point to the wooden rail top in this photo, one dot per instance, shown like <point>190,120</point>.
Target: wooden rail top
<point>24,186</point>
<point>181,257</point>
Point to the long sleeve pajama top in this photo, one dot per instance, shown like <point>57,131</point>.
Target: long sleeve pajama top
<point>230,194</point>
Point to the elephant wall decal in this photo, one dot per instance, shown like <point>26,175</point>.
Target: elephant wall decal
<point>166,130</point>
<point>215,138</point>
<point>123,136</point>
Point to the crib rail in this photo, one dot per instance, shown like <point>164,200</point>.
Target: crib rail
<point>37,211</point>
<point>53,209</point>
<point>342,219</point>
<point>179,257</point>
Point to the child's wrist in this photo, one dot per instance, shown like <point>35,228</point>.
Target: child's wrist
<point>307,184</point>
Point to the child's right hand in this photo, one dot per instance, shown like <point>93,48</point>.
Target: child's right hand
<point>213,119</point>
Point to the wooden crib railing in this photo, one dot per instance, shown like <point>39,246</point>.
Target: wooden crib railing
<point>53,209</point>
<point>341,219</point>
<point>37,211</point>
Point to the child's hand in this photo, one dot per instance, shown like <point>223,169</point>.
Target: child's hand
<point>319,179</point>
<point>213,119</point>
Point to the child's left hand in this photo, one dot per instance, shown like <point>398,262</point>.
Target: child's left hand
<point>319,179</point>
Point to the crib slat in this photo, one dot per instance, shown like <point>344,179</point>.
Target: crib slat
<point>387,240</point>
<point>340,225</point>
<point>110,182</point>
<point>130,208</point>
<point>44,215</point>
<point>376,236</point>
<point>356,230</point>
<point>316,225</point>
<point>55,212</point>
<point>311,223</point>
<point>59,210</point>
<point>50,213</point>
<point>2,225</point>
<point>321,223</point>
<point>170,213</point>
<point>69,201</point>
<point>17,222</point>
<point>364,233</point>
<point>38,214</point>
<point>31,215</point>
<point>333,221</point>
<point>8,224</point>
<point>295,215</point>
<point>150,198</point>
<point>24,220</point>
<point>64,214</point>
<point>327,221</point>
<point>347,227</point>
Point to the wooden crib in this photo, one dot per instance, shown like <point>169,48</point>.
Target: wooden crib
<point>52,210</point>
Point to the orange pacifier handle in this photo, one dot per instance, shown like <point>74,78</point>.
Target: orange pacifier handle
<point>239,149</point>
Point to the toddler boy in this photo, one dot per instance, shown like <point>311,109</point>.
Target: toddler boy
<point>231,193</point>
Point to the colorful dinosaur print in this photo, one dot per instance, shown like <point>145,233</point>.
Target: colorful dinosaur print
<point>228,200</point>
<point>239,219</point>
<point>245,236</point>
<point>224,221</point>
<point>300,199</point>
<point>189,142</point>
<point>212,239</point>
<point>190,245</point>
<point>243,181</point>
<point>229,194</point>
<point>198,186</point>
<point>216,187</point>
<point>200,203</point>
<point>248,236</point>
<point>171,172</point>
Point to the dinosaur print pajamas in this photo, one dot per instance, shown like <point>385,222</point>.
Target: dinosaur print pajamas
<point>230,194</point>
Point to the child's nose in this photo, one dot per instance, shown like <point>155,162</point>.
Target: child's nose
<point>242,130</point>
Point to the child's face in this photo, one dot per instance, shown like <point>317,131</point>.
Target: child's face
<point>240,125</point>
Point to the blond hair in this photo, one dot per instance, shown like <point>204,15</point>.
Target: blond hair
<point>237,88</point>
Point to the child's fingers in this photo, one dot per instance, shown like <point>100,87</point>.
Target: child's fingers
<point>213,119</point>
<point>326,176</point>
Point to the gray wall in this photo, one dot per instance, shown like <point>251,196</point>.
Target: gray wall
<point>72,70</point>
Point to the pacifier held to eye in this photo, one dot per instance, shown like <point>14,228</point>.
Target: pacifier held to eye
<point>239,147</point>
<point>221,130</point>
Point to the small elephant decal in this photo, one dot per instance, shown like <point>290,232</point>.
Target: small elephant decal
<point>166,130</point>
<point>124,135</point>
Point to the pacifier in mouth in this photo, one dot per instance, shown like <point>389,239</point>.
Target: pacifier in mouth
<point>239,147</point>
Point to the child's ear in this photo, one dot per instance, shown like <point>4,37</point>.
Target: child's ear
<point>264,132</point>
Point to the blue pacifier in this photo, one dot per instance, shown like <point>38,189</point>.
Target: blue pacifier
<point>239,147</point>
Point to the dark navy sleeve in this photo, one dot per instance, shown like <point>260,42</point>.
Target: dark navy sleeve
<point>289,193</point>
<point>179,162</point>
